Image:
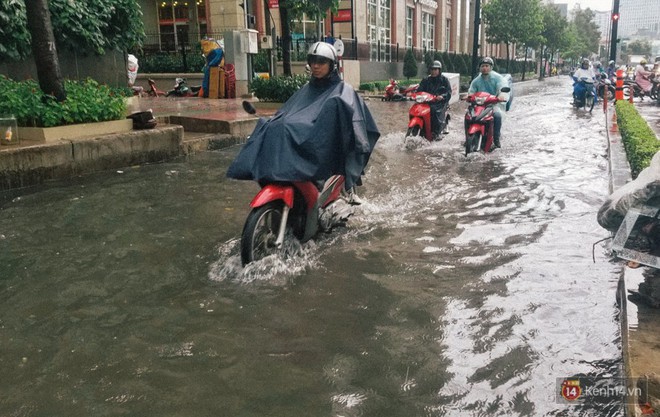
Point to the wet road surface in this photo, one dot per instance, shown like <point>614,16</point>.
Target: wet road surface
<point>463,286</point>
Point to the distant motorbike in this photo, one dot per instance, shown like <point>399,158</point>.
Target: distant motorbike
<point>480,121</point>
<point>419,116</point>
<point>631,86</point>
<point>297,207</point>
<point>181,89</point>
<point>393,92</point>
<point>584,93</point>
<point>153,90</point>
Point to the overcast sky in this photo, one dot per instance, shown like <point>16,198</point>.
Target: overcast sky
<point>601,5</point>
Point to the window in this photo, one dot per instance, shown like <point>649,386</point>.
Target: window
<point>447,34</point>
<point>428,31</point>
<point>378,29</point>
<point>410,15</point>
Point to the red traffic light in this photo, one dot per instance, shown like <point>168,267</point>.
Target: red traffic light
<point>615,16</point>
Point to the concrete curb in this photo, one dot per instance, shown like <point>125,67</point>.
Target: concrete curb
<point>32,164</point>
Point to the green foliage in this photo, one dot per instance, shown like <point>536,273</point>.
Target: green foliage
<point>166,63</point>
<point>428,60</point>
<point>639,47</point>
<point>368,87</point>
<point>87,101</point>
<point>638,139</point>
<point>91,26</point>
<point>512,21</point>
<point>277,89</point>
<point>447,64</point>
<point>260,62</point>
<point>14,35</point>
<point>584,34</point>
<point>409,64</point>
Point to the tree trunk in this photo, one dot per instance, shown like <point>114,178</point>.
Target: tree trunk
<point>525,64</point>
<point>43,48</point>
<point>508,57</point>
<point>286,38</point>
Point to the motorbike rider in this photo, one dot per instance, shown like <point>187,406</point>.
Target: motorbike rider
<point>491,82</point>
<point>585,72</point>
<point>643,77</point>
<point>323,129</point>
<point>438,85</point>
<point>611,70</point>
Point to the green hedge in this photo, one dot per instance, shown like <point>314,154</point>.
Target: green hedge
<point>277,89</point>
<point>638,139</point>
<point>87,101</point>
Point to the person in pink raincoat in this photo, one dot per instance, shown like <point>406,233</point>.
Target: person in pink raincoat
<point>643,77</point>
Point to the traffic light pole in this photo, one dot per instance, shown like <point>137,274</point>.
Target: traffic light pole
<point>615,24</point>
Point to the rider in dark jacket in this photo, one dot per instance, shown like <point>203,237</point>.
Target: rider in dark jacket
<point>438,85</point>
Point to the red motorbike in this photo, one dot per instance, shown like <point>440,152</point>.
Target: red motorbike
<point>395,93</point>
<point>480,121</point>
<point>419,116</point>
<point>284,209</point>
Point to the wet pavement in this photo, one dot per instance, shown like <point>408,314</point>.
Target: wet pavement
<point>463,286</point>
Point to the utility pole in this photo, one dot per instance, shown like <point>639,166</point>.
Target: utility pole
<point>615,24</point>
<point>475,40</point>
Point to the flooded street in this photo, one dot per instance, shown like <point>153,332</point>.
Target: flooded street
<point>462,287</point>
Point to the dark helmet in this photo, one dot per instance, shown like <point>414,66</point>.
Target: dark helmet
<point>486,60</point>
<point>436,64</point>
<point>323,50</point>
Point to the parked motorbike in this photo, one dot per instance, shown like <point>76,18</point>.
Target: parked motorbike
<point>480,122</point>
<point>604,87</point>
<point>181,89</point>
<point>584,94</point>
<point>393,92</point>
<point>419,116</point>
<point>153,90</point>
<point>283,210</point>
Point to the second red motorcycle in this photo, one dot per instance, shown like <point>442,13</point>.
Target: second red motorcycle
<point>480,122</point>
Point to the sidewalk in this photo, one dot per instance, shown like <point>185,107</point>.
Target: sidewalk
<point>640,325</point>
<point>185,126</point>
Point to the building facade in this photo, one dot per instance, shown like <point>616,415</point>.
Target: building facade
<point>381,28</point>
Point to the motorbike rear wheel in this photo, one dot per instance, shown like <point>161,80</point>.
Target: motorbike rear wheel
<point>472,143</point>
<point>260,232</point>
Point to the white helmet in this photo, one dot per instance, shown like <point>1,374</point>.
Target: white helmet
<point>323,50</point>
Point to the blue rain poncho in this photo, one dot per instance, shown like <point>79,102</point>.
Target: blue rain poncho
<point>323,129</point>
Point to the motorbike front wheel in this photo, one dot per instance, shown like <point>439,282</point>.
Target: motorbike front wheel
<point>589,102</point>
<point>412,131</point>
<point>260,232</point>
<point>472,143</point>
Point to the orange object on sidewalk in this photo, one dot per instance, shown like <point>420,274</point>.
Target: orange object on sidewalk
<point>618,95</point>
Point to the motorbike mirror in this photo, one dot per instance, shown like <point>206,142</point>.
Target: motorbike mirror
<point>505,89</point>
<point>248,107</point>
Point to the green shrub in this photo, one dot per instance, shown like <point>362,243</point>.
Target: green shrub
<point>277,89</point>
<point>409,64</point>
<point>165,63</point>
<point>380,85</point>
<point>638,139</point>
<point>87,101</point>
<point>367,86</point>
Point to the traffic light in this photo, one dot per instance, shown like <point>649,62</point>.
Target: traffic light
<point>615,16</point>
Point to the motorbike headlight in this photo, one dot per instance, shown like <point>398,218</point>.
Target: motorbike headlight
<point>480,101</point>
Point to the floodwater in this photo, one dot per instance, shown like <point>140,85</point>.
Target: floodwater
<point>462,287</point>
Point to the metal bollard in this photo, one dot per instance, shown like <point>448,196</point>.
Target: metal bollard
<point>605,91</point>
